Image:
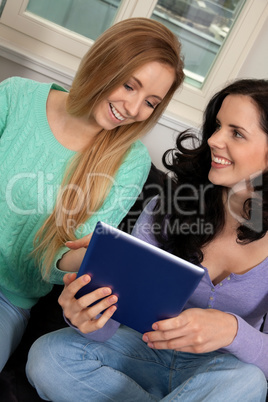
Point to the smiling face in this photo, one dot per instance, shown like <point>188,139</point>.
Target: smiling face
<point>136,99</point>
<point>239,146</point>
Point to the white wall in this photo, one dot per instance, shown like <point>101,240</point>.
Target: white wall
<point>256,64</point>
<point>9,69</point>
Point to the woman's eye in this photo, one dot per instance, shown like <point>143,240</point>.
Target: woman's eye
<point>150,105</point>
<point>217,126</point>
<point>238,135</point>
<point>128,87</point>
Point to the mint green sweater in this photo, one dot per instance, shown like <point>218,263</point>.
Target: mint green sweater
<point>32,165</point>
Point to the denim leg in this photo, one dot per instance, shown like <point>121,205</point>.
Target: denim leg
<point>214,377</point>
<point>13,322</point>
<point>64,366</point>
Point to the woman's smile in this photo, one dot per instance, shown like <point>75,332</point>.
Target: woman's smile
<point>220,162</point>
<point>116,113</point>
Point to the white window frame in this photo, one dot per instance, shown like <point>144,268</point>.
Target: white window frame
<point>31,39</point>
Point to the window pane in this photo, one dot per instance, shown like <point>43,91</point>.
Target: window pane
<point>202,27</point>
<point>86,17</point>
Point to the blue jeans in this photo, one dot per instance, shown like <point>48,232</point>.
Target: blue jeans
<point>64,366</point>
<point>13,322</point>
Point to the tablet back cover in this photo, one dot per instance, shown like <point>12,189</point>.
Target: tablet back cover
<point>151,284</point>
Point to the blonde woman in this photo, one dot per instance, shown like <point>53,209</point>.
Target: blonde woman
<point>69,159</point>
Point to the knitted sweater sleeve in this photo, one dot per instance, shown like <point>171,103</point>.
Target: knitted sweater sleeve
<point>4,104</point>
<point>126,187</point>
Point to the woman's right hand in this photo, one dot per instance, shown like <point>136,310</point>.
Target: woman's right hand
<point>80,312</point>
<point>78,243</point>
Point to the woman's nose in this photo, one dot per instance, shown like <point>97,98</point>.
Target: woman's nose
<point>133,106</point>
<point>217,140</point>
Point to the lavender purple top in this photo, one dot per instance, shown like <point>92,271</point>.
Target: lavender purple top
<point>245,296</point>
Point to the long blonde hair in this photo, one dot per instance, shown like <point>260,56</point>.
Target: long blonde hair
<point>109,63</point>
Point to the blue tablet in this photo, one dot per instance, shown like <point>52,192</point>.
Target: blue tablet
<point>151,284</point>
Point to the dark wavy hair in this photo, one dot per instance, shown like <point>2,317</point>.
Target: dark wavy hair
<point>194,202</point>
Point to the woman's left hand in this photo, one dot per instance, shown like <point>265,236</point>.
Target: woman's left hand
<point>194,330</point>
